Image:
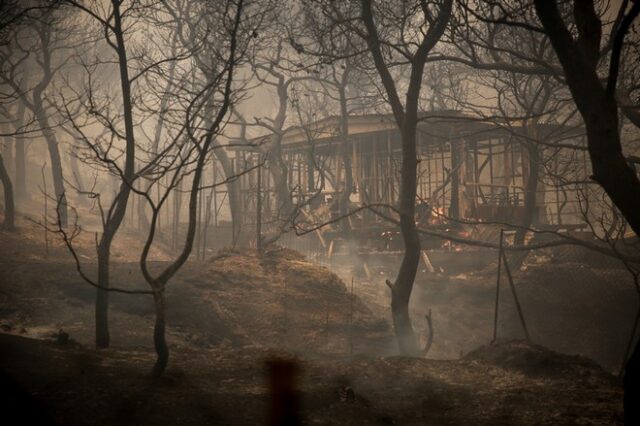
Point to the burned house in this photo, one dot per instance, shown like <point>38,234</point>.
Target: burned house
<point>469,170</point>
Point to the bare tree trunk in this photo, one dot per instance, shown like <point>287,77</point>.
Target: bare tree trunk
<point>159,333</point>
<point>158,284</point>
<point>116,215</point>
<point>345,153</point>
<point>20,157</point>
<point>54,155</point>
<point>596,104</point>
<point>75,170</point>
<point>143,222</point>
<point>233,191</point>
<point>632,387</point>
<point>279,173</point>
<point>9,208</point>
<point>20,168</point>
<point>579,58</point>
<point>277,166</point>
<point>406,117</point>
<point>403,287</point>
<point>7,154</point>
<point>102,296</point>
<point>610,169</point>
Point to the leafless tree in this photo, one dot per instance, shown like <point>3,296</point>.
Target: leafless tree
<point>214,99</point>
<point>191,24</point>
<point>42,46</point>
<point>112,26</point>
<point>579,52</point>
<point>9,208</point>
<point>400,36</point>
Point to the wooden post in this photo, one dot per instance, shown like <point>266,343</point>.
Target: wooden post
<point>495,314</point>
<point>454,203</point>
<point>366,270</point>
<point>429,341</point>
<point>427,261</point>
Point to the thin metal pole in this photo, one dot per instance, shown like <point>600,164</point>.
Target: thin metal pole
<point>207,221</point>
<point>351,320</point>
<point>46,196</point>
<point>158,198</point>
<point>326,328</point>
<point>515,297</point>
<point>259,210</point>
<point>495,314</point>
<point>133,210</point>
<point>198,223</point>
<point>215,195</point>
<point>284,309</point>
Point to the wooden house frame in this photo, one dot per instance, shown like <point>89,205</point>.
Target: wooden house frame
<point>469,169</point>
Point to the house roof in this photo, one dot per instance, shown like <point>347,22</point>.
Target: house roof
<point>438,126</point>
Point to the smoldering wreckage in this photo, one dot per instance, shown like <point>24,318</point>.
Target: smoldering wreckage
<point>249,212</point>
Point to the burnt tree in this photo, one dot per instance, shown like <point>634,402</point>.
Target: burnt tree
<point>406,116</point>
<point>579,54</point>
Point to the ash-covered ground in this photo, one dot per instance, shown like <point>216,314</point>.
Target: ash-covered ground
<point>232,313</point>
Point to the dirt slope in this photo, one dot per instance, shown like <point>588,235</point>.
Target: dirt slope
<point>282,299</point>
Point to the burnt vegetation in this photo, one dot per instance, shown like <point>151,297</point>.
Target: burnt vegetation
<point>292,212</point>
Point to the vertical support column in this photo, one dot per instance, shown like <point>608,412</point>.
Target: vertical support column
<point>507,167</point>
<point>497,300</point>
<point>456,164</point>
<point>491,178</point>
